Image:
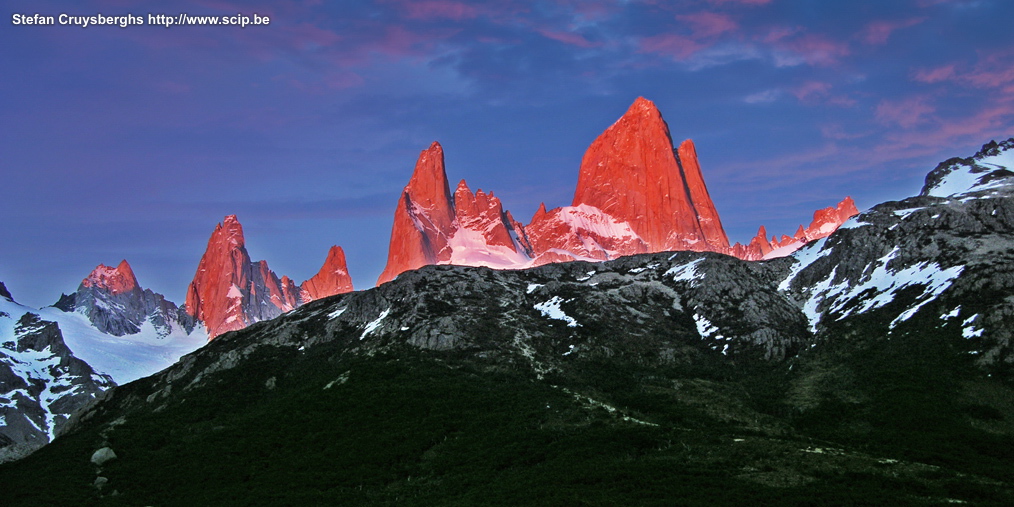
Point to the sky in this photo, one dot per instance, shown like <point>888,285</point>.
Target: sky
<point>133,142</point>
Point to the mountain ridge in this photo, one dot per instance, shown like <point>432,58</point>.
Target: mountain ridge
<point>870,366</point>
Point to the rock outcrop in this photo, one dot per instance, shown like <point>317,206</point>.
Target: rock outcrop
<point>116,304</point>
<point>632,173</point>
<point>41,384</point>
<point>333,278</point>
<point>635,194</point>
<point>229,291</point>
<point>431,227</point>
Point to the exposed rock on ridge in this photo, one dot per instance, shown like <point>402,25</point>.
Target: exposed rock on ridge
<point>230,292</point>
<point>116,304</point>
<point>333,278</point>
<point>432,228</point>
<point>41,384</point>
<point>635,194</point>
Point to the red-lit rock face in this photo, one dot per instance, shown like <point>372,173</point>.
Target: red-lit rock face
<point>423,218</point>
<point>635,194</point>
<point>631,173</point>
<point>429,228</point>
<point>827,220</point>
<point>116,280</point>
<point>707,215</point>
<point>230,292</point>
<point>482,213</point>
<point>333,278</point>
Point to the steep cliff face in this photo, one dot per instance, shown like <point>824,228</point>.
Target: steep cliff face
<point>423,219</point>
<point>115,304</point>
<point>229,291</point>
<point>631,172</point>
<point>333,278</point>
<point>635,194</point>
<point>432,228</point>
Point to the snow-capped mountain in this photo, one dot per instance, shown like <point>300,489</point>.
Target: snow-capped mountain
<point>940,259</point>
<point>635,193</point>
<point>230,291</point>
<point>110,331</point>
<point>879,356</point>
<point>41,381</point>
<point>115,304</point>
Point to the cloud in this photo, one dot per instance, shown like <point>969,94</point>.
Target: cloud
<point>708,24</point>
<point>906,113</point>
<point>763,97</point>
<point>677,46</point>
<point>439,9</point>
<point>994,70</point>
<point>935,75</point>
<point>815,49</point>
<point>811,90</point>
<point>877,32</point>
<point>742,2</point>
<point>570,38</point>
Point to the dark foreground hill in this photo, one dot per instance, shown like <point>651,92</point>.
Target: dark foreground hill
<point>872,367</point>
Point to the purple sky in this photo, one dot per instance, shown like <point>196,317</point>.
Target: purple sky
<point>134,142</point>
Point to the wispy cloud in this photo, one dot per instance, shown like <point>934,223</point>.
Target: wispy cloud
<point>906,113</point>
<point>877,32</point>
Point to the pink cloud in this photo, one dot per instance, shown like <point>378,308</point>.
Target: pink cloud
<point>811,90</point>
<point>992,120</point>
<point>440,9</point>
<point>878,32</point>
<point>935,75</point>
<point>306,36</point>
<point>566,37</point>
<point>995,70</point>
<point>816,49</point>
<point>708,24</point>
<point>676,46</point>
<point>779,33</point>
<point>743,2</point>
<point>837,132</point>
<point>819,93</point>
<point>907,113</point>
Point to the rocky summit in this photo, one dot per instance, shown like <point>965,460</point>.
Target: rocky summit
<point>115,304</point>
<point>41,382</point>
<point>230,291</point>
<point>872,366</point>
<point>636,193</point>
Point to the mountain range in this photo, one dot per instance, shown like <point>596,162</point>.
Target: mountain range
<point>636,193</point>
<point>871,366</point>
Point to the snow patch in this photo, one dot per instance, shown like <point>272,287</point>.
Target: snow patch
<point>686,272</point>
<point>804,257</point>
<point>967,179</point>
<point>532,287</point>
<point>883,283</point>
<point>783,251</point>
<point>853,223</point>
<point>337,313</point>
<point>374,324</point>
<point>953,313</point>
<point>551,310</point>
<point>904,213</point>
<point>705,328</point>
